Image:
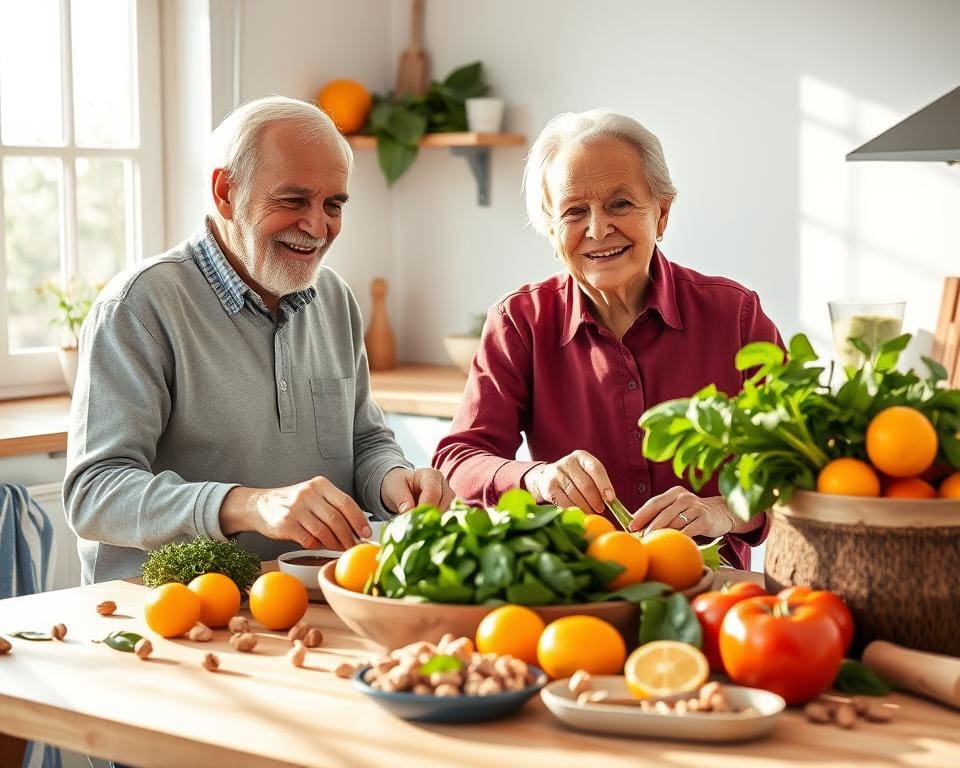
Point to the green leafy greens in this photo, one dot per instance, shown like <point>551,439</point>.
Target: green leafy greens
<point>521,553</point>
<point>775,435</point>
<point>184,561</point>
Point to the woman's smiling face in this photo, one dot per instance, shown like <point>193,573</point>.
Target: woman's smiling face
<point>604,218</point>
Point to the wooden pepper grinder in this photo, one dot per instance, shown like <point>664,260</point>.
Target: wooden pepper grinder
<point>381,345</point>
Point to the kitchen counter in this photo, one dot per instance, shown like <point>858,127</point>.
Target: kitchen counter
<point>39,424</point>
<point>259,711</point>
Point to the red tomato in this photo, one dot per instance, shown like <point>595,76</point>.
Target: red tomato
<point>830,602</point>
<point>794,650</point>
<point>711,607</point>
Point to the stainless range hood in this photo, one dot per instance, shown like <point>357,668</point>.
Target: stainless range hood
<point>933,133</point>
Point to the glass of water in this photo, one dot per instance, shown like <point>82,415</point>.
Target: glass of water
<point>872,321</point>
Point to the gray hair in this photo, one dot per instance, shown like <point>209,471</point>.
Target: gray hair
<point>235,144</point>
<point>580,128</point>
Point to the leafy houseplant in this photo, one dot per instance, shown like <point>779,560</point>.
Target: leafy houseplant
<point>72,304</point>
<point>785,425</point>
<point>400,122</point>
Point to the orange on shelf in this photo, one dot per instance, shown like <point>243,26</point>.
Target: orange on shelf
<point>347,102</point>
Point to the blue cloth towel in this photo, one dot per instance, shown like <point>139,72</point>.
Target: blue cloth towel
<point>26,555</point>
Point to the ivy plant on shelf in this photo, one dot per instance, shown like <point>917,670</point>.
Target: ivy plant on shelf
<point>400,122</point>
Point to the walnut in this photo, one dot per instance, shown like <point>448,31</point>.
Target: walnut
<point>143,648</point>
<point>107,608</point>
<point>211,662</point>
<point>59,631</point>
<point>238,625</point>
<point>200,633</point>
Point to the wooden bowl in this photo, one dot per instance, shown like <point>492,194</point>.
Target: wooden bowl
<point>394,623</point>
<point>895,561</point>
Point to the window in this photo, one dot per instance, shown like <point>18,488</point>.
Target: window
<point>80,170</point>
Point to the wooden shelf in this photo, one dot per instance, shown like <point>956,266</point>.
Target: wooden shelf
<point>472,147</point>
<point>447,140</point>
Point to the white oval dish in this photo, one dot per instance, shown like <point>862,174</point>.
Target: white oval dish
<point>622,720</point>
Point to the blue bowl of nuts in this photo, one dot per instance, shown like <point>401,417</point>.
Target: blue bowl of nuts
<point>449,685</point>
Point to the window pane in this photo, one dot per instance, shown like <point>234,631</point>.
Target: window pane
<point>101,218</point>
<point>104,71</point>
<point>30,99</point>
<point>31,205</point>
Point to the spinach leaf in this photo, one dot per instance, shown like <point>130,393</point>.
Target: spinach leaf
<point>669,618</point>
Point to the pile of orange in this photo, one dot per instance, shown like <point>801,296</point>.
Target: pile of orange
<point>901,446</point>
<point>666,555</point>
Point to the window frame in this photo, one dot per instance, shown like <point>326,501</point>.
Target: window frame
<point>37,371</point>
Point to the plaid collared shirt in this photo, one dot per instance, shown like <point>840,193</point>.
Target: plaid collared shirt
<point>228,285</point>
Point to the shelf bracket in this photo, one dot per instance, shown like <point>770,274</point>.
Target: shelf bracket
<point>478,158</point>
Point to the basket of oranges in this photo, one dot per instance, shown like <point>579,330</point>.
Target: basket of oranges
<point>860,480</point>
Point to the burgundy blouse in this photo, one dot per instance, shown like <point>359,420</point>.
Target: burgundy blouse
<point>548,369</point>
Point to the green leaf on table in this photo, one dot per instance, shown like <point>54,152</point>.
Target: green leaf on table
<point>27,634</point>
<point>441,663</point>
<point>669,618</point>
<point>857,678</point>
<point>122,641</point>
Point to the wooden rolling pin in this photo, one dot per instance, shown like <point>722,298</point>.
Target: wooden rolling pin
<point>928,674</point>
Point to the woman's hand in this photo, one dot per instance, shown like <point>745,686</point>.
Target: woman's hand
<point>576,480</point>
<point>403,489</point>
<point>681,509</point>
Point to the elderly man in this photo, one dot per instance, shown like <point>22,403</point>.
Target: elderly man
<point>223,387</point>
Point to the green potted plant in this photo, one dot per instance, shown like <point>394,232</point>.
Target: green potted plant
<point>400,122</point>
<point>462,347</point>
<point>71,305</point>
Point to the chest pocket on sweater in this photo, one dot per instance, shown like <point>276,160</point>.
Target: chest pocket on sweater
<point>333,405</point>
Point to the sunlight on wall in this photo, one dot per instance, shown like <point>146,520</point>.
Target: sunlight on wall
<point>869,230</point>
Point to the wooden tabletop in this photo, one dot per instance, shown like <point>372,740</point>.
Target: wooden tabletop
<point>261,711</point>
<point>39,424</point>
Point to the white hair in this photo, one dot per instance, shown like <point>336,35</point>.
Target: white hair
<point>234,145</point>
<point>581,128</point>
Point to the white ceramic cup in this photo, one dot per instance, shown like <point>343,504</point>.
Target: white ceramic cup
<point>484,114</point>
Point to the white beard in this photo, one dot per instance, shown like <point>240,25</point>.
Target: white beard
<point>267,266</point>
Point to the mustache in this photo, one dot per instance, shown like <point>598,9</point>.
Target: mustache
<point>300,240</point>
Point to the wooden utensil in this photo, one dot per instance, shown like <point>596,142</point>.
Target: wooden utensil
<point>948,308</point>
<point>412,69</point>
<point>928,674</point>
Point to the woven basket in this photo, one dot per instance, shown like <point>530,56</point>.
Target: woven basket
<point>895,561</point>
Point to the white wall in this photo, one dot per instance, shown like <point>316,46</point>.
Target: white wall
<point>756,104</point>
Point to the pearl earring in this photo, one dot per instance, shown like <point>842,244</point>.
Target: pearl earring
<point>659,238</point>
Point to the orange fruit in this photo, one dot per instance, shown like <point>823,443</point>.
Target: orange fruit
<point>510,629</point>
<point>278,600</point>
<point>675,558</point>
<point>625,549</point>
<point>171,609</point>
<point>901,441</point>
<point>219,598</point>
<point>356,565</point>
<point>910,488</point>
<point>665,668</point>
<point>594,525</point>
<point>347,102</point>
<point>848,477</point>
<point>950,486</point>
<point>580,642</point>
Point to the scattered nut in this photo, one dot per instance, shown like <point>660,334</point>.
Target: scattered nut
<point>879,713</point>
<point>211,662</point>
<point>107,608</point>
<point>5,646</point>
<point>143,648</point>
<point>238,625</point>
<point>592,697</point>
<point>297,654</point>
<point>59,631</point>
<point>344,669</point>
<point>845,715</point>
<point>681,708</point>
<point>243,642</point>
<point>446,690</point>
<point>818,712</point>
<point>662,707</point>
<point>298,631</point>
<point>579,682</point>
<point>200,633</point>
<point>313,638</point>
<point>719,703</point>
<point>422,689</point>
<point>706,693</point>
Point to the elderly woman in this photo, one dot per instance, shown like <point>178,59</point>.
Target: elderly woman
<point>574,360</point>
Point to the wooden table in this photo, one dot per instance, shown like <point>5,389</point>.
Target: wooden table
<point>260,711</point>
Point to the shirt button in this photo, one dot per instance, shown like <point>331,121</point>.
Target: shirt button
<point>641,487</point>
<point>632,384</point>
<point>283,385</point>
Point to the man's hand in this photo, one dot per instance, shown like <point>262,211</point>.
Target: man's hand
<point>576,480</point>
<point>403,489</point>
<point>315,514</point>
<point>679,508</point>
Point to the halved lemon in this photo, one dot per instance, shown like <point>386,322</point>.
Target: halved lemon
<point>665,668</point>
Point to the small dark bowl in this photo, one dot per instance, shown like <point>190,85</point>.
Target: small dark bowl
<point>450,709</point>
